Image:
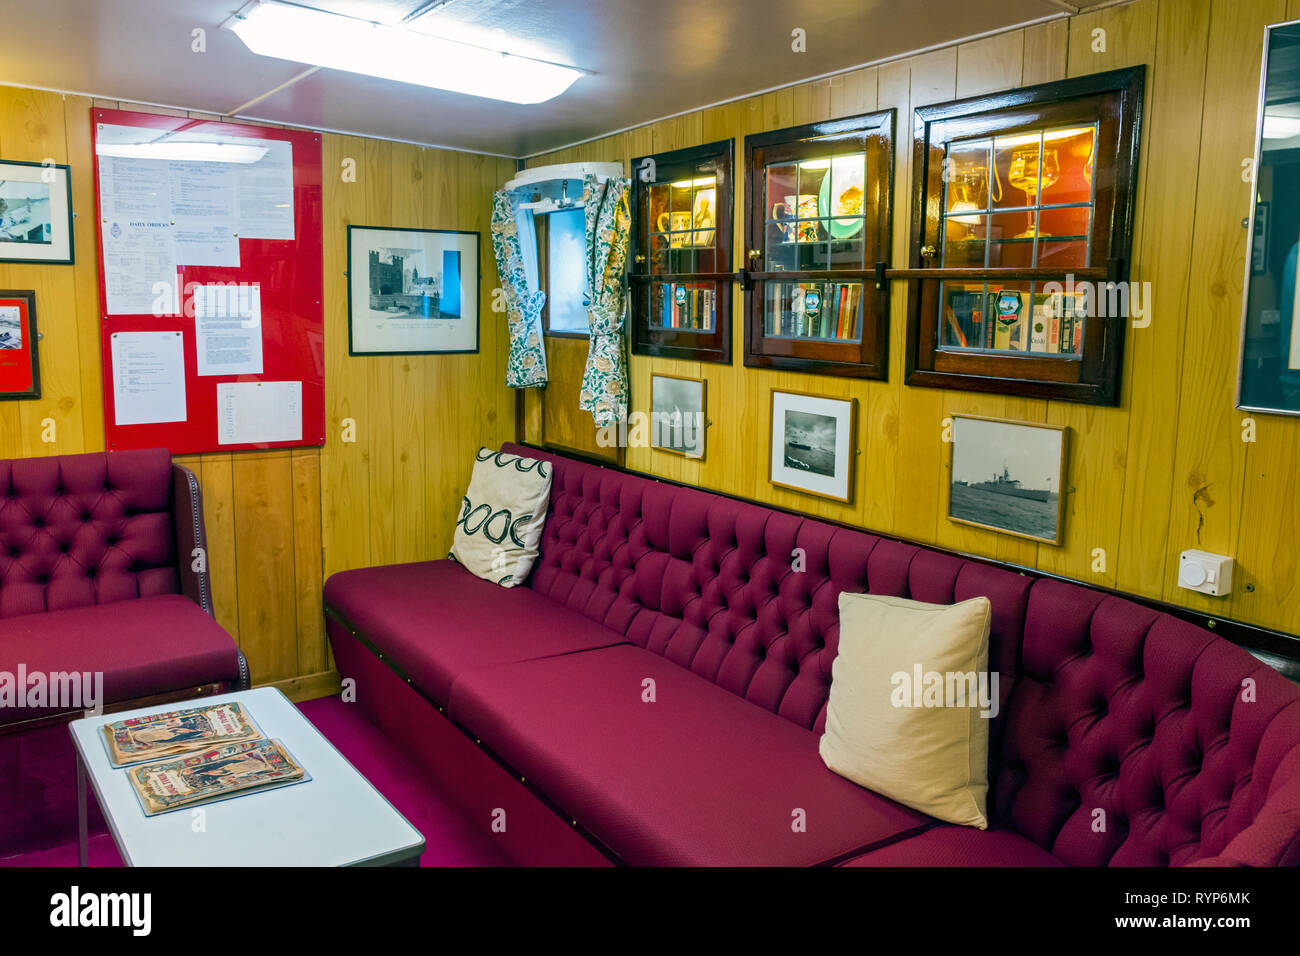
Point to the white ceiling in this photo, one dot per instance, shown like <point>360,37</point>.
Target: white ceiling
<point>649,58</point>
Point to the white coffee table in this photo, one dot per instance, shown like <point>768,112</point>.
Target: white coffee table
<point>334,819</point>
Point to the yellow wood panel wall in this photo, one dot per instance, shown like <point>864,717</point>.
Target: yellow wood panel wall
<point>1166,470</point>
<point>280,521</point>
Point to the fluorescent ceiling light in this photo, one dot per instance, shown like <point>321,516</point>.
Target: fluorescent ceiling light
<point>325,39</point>
<point>185,151</point>
<point>1280,127</point>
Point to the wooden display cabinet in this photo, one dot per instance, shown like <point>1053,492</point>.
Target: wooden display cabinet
<point>1022,216</point>
<point>682,270</point>
<point>817,216</point>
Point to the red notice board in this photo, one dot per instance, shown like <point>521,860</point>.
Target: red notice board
<point>287,274</point>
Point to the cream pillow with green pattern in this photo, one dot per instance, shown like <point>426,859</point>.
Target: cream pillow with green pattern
<point>501,516</point>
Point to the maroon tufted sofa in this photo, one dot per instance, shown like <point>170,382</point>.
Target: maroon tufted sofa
<point>96,575</point>
<point>1125,736</point>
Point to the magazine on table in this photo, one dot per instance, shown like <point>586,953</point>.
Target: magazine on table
<point>138,739</point>
<point>226,771</point>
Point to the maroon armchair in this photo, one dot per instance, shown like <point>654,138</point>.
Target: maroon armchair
<point>102,573</point>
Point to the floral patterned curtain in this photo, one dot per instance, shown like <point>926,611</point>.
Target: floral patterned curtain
<point>526,364</point>
<point>608,228</point>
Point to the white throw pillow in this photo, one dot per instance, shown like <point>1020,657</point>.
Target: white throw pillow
<point>910,703</point>
<point>501,516</point>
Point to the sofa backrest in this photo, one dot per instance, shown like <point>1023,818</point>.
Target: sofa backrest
<point>77,530</point>
<point>742,595</point>
<point>1134,738</point>
<point>1187,745</point>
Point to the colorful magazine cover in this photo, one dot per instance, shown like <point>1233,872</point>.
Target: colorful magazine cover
<point>176,732</point>
<point>233,769</point>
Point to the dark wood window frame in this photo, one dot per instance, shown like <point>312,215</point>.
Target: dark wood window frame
<point>1113,101</point>
<point>650,339</point>
<point>868,357</point>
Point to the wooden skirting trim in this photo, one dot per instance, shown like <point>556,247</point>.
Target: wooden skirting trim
<point>308,686</point>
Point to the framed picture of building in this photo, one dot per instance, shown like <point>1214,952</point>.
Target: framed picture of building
<point>1007,476</point>
<point>412,291</point>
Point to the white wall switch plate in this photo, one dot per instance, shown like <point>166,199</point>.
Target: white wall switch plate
<point>1205,572</point>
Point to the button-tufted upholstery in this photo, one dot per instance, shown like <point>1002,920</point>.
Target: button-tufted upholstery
<point>96,576</point>
<point>1125,736</point>
<point>77,530</point>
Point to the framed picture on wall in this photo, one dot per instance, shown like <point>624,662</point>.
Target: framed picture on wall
<point>677,415</point>
<point>1006,476</point>
<point>412,291</point>
<point>813,444</point>
<point>35,213</point>
<point>20,365</point>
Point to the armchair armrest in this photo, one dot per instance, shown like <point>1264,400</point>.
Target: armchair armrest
<point>191,539</point>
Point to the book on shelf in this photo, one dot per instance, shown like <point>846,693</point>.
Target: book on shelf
<point>137,739</point>
<point>214,774</point>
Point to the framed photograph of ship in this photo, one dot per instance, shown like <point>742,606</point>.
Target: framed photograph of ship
<point>1006,476</point>
<point>677,419</point>
<point>813,444</point>
<point>412,291</point>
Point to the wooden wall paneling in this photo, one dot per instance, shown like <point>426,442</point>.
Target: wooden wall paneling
<point>409,401</point>
<point>1209,468</point>
<point>380,370</point>
<point>268,612</point>
<point>313,650</point>
<point>882,414</point>
<point>441,172</point>
<point>216,482</point>
<point>932,79</point>
<point>33,122</point>
<point>85,271</point>
<point>345,471</point>
<point>737,436</point>
<point>1046,50</point>
<point>1154,355</point>
<point>1096,460</point>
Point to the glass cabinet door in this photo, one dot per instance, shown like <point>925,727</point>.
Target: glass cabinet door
<point>818,218</point>
<point>1024,207</point>
<point>682,268</point>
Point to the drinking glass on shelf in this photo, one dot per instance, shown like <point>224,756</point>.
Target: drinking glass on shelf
<point>1026,175</point>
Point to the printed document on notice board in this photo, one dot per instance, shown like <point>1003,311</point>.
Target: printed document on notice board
<point>203,213</point>
<point>258,412</point>
<point>264,194</point>
<point>148,377</point>
<point>228,328</point>
<point>139,267</point>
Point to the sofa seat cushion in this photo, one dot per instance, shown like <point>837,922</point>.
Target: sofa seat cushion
<point>959,846</point>
<point>699,776</point>
<point>435,620</point>
<point>142,647</point>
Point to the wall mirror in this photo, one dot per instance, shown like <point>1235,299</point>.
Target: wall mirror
<point>1270,341</point>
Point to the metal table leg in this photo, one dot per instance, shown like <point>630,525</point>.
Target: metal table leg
<point>83,834</point>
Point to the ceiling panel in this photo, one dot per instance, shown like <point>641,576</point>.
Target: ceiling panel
<point>647,59</point>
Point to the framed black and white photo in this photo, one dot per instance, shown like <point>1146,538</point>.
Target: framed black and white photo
<point>35,213</point>
<point>1006,476</point>
<point>412,291</point>
<point>677,415</point>
<point>812,445</point>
